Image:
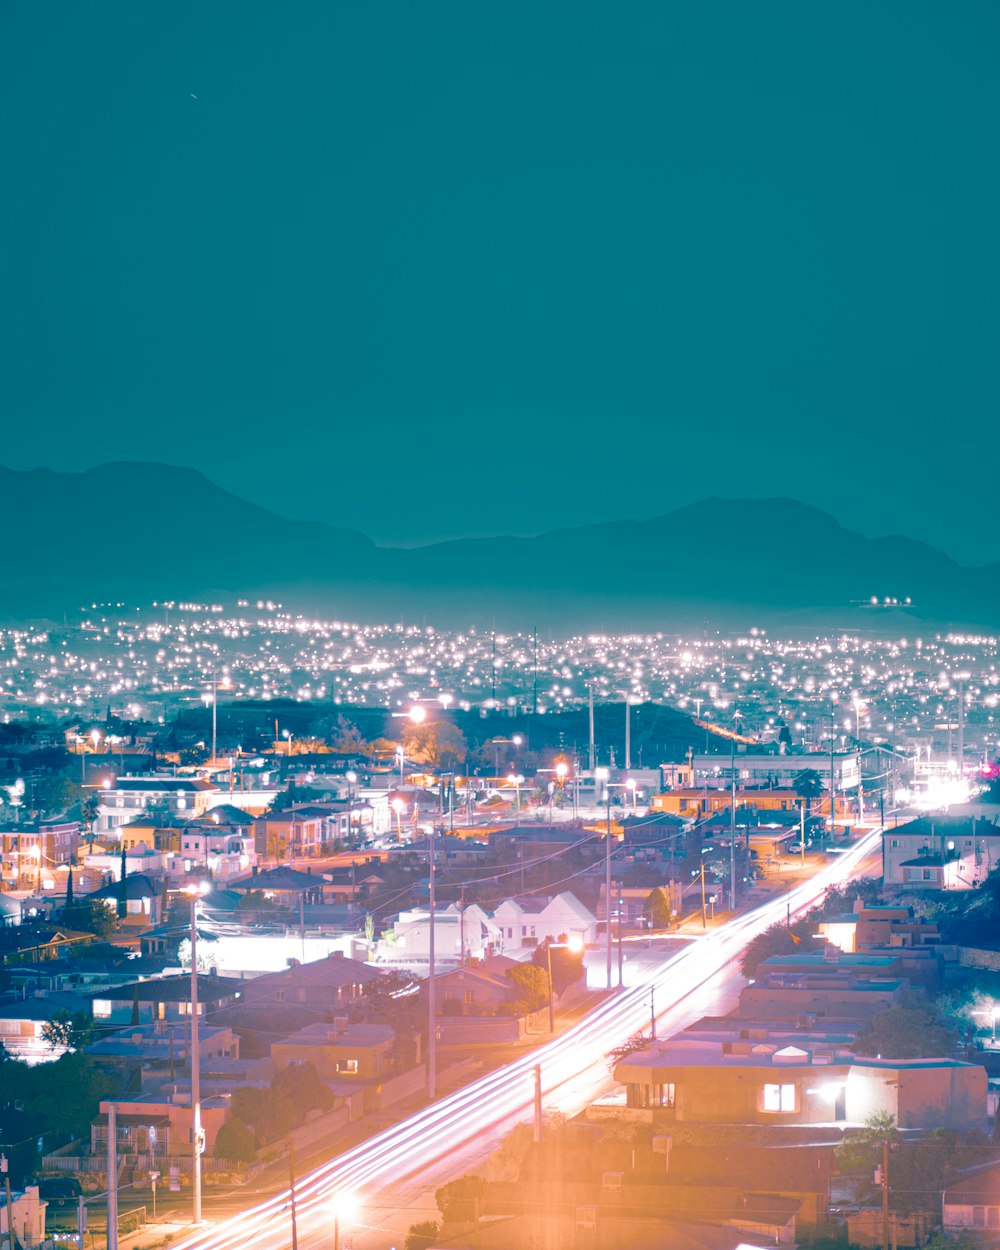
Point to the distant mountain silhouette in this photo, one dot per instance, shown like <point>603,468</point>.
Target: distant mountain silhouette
<point>139,532</point>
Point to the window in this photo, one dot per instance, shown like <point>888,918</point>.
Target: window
<point>926,874</point>
<point>894,842</point>
<point>348,1067</point>
<point>779,1097</point>
<point>510,933</point>
<point>279,995</point>
<point>102,1009</point>
<point>645,1097</point>
<point>469,997</point>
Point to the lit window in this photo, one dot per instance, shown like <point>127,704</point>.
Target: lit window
<point>102,1009</point>
<point>468,997</point>
<point>348,1067</point>
<point>779,1097</point>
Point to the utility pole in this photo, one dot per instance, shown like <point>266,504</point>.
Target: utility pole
<point>704,923</point>
<point>607,883</point>
<point>885,1193</point>
<point>628,733</point>
<point>833,775</point>
<point>538,1102</point>
<point>534,680</point>
<point>291,1193</point>
<point>802,830</point>
<point>431,1023</point>
<point>652,1012</point>
<point>592,756</point>
<point>112,1179</point>
<point>732,826</point>
<point>197,1141</point>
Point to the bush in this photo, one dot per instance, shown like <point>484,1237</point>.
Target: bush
<point>422,1235</point>
<point>458,1201</point>
<point>235,1142</point>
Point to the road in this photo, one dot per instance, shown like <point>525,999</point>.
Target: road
<point>392,1175</point>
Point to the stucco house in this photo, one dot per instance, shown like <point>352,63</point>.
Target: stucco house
<point>763,1082</point>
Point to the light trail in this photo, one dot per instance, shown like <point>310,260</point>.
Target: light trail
<point>507,1094</point>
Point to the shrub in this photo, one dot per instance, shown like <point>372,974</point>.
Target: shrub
<point>235,1142</point>
<point>422,1235</point>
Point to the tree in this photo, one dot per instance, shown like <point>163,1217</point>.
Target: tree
<point>122,900</point>
<point>777,940</point>
<point>458,1201</point>
<point>437,743</point>
<point>52,794</point>
<point>657,909</point>
<point>532,984</point>
<point>567,965</point>
<point>638,1041</point>
<point>808,785</point>
<point>91,915</point>
<point>90,809</point>
<point>422,1235</point>
<point>234,1142</point>
<point>66,1031</point>
<point>905,1033</point>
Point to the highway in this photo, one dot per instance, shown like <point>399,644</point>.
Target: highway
<point>387,1173</point>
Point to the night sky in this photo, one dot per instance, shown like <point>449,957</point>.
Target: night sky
<point>434,269</point>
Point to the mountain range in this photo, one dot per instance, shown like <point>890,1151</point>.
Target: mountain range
<point>143,532</point>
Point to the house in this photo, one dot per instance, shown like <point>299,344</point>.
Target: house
<point>528,920</point>
<point>773,770</point>
<point>286,886</point>
<point>339,1051</point>
<point>222,841</point>
<point>127,797</point>
<point>154,1052</point>
<point>330,984</point>
<point>786,995</point>
<point>940,852</point>
<point>156,1127</point>
<point>475,990</point>
<point>458,932</point>
<point>973,1202</point>
<point>298,832</point>
<point>868,928</point>
<point>26,1216</point>
<point>22,1021</point>
<point>30,850</point>
<point>761,1082</point>
<point>161,998</point>
<point>143,901</point>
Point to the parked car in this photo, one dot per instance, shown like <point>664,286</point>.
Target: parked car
<point>60,1191</point>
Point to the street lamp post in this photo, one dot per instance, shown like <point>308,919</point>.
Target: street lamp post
<point>573,944</point>
<point>344,1206</point>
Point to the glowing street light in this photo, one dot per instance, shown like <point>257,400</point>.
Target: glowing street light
<point>575,944</point>
<point>344,1207</point>
<point>398,806</point>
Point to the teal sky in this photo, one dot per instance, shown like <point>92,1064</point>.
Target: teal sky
<point>433,269</point>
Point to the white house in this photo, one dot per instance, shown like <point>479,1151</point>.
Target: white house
<point>528,921</point>
<point>129,796</point>
<point>456,930</point>
<point>940,853</point>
